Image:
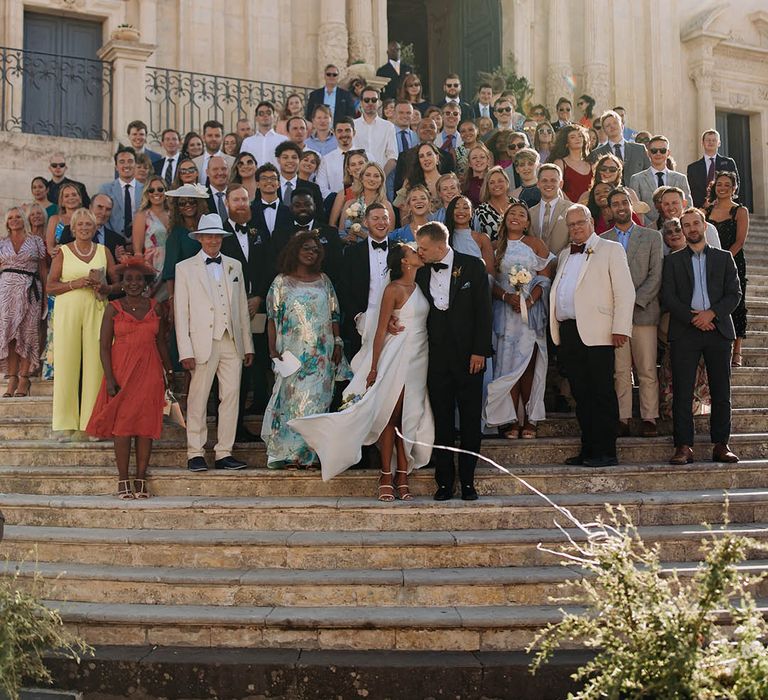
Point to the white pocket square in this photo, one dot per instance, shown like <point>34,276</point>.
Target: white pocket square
<point>466,285</point>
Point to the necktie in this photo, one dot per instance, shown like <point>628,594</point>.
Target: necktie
<point>438,266</point>
<point>660,178</point>
<point>711,170</point>
<point>264,205</point>
<point>547,215</point>
<point>215,261</point>
<point>448,143</point>
<point>220,206</point>
<point>379,246</point>
<point>288,192</point>
<point>168,171</point>
<point>617,151</point>
<point>127,212</point>
<point>575,248</point>
<point>403,141</point>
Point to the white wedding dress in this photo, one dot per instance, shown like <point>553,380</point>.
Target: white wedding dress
<point>338,437</point>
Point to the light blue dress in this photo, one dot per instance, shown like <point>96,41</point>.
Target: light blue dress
<point>303,313</point>
<point>514,341</point>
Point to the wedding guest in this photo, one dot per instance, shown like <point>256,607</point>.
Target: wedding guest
<point>529,129</point>
<point>193,145</point>
<point>265,139</point>
<point>548,216</point>
<point>187,204</point>
<point>424,171</point>
<point>23,270</point>
<point>673,203</point>
<point>69,202</point>
<point>494,197</point>
<point>101,208</point>
<point>594,139</point>
<point>150,231</point>
<point>586,104</point>
<point>322,140</point>
<point>213,333</point>
<point>298,129</point>
<point>540,114</point>
<point>125,191</point>
<point>244,128</point>
<point>338,100</point>
<point>244,173</point>
<point>231,144</point>
<point>137,136</point>
<point>374,134</point>
<point>458,221</point>
<point>356,89</point>
<point>564,110</point>
<point>38,220</point>
<point>330,174</point>
<point>416,211</point>
<point>609,169</point>
<point>484,127</point>
<point>479,162</point>
<point>426,132</point>
<point>308,166</point>
<point>354,162</point>
<point>544,140</point>
<point>633,155</point>
<point>213,135</point>
<point>186,173</point>
<point>303,319</point>
<point>701,173</point>
<point>700,287</point>
<point>167,166</point>
<point>448,187</point>
<point>132,395</point>
<point>388,109</point>
<point>580,296</point>
<point>644,249</point>
<point>294,107</point>
<point>570,154</point>
<point>143,168</point>
<point>526,165</point>
<point>732,223</point>
<point>77,280</point>
<point>598,207</point>
<point>368,188</point>
<point>520,361</point>
<point>395,69</point>
<point>288,156</point>
<point>39,188</point>
<point>57,167</point>
<point>469,134</point>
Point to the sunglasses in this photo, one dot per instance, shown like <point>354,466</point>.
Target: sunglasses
<point>609,169</point>
<point>187,202</point>
<point>597,127</point>
<point>503,109</point>
<point>332,75</point>
<point>187,171</point>
<point>370,100</point>
<point>546,131</point>
<point>453,85</point>
<point>451,113</point>
<point>657,150</point>
<point>672,229</point>
<point>58,165</point>
<point>414,84</point>
<point>158,190</point>
<point>515,146</point>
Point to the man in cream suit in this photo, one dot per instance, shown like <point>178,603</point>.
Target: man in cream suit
<point>647,181</point>
<point>645,255</point>
<point>213,333</point>
<point>548,216</point>
<point>591,304</point>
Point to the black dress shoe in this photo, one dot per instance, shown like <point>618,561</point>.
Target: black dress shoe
<point>197,464</point>
<point>468,493</point>
<point>575,460</point>
<point>230,463</point>
<point>245,435</point>
<point>605,461</point>
<point>443,493</point>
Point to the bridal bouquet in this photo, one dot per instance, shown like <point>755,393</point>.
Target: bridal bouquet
<point>354,213</point>
<point>349,400</point>
<point>519,279</point>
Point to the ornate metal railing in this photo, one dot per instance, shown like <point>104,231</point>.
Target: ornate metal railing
<point>184,101</point>
<point>42,93</point>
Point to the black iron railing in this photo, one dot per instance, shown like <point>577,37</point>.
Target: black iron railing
<point>184,101</point>
<point>42,93</point>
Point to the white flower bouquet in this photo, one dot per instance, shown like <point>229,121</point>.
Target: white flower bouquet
<point>519,279</point>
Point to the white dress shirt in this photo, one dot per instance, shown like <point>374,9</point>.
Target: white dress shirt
<point>262,146</point>
<point>330,174</point>
<point>612,146</point>
<point>270,214</point>
<point>215,194</point>
<point>440,139</point>
<point>656,177</point>
<point>214,269</point>
<point>242,238</point>
<point>283,183</point>
<point>204,170</point>
<point>173,165</point>
<point>440,283</point>
<point>377,260</point>
<point>395,65</point>
<point>378,138</point>
<point>566,288</point>
<point>485,110</point>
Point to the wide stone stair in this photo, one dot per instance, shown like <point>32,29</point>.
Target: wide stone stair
<point>279,559</point>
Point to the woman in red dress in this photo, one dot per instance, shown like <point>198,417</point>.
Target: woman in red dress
<point>570,153</point>
<point>133,353</point>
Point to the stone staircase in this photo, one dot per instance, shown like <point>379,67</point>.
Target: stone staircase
<point>265,559</point>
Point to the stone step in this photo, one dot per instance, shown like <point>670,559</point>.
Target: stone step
<point>361,483</point>
<point>332,588</point>
<point>757,322</point>
<point>38,387</point>
<point>756,339</point>
<point>297,550</point>
<point>365,514</point>
<point>748,376</point>
<point>752,357</point>
<point>551,450</point>
<point>472,628</point>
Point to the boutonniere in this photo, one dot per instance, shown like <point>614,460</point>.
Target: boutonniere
<point>252,232</point>
<point>230,269</point>
<point>323,240</point>
<point>456,272</point>
<point>589,252</point>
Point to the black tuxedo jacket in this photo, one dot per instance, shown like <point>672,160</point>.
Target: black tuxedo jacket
<point>329,238</point>
<point>314,189</point>
<point>212,208</point>
<point>387,71</point>
<point>476,113</point>
<point>345,104</point>
<point>697,176</point>
<point>283,218</point>
<point>355,281</point>
<point>468,329</point>
<point>112,239</point>
<point>257,268</point>
<point>407,158</point>
<point>722,287</point>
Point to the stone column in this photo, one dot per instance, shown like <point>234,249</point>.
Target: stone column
<point>332,36</point>
<point>559,69</point>
<point>702,74</point>
<point>361,43</point>
<point>129,64</point>
<point>596,31</point>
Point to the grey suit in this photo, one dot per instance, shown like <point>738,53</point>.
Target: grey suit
<point>645,184</point>
<point>635,158</point>
<point>116,192</point>
<point>556,234</point>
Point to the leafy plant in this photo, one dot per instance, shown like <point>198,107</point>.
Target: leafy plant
<point>408,55</point>
<point>658,635</point>
<point>27,630</point>
<point>504,78</point>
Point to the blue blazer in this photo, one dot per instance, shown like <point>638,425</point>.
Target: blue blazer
<point>116,192</point>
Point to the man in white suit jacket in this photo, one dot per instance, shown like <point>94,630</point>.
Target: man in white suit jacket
<point>647,181</point>
<point>591,304</point>
<point>213,333</point>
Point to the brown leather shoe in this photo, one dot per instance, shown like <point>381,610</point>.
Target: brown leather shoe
<point>622,429</point>
<point>683,455</point>
<point>649,429</point>
<point>722,453</point>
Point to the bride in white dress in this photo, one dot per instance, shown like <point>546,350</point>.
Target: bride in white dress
<point>391,379</point>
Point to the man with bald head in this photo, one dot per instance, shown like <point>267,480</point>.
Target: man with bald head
<point>591,304</point>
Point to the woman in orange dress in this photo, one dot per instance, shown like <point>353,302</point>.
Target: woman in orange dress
<point>133,353</point>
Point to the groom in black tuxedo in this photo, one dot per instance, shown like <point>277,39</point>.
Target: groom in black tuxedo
<point>459,328</point>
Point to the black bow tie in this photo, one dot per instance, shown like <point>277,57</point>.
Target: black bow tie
<point>216,260</point>
<point>264,205</point>
<point>302,227</point>
<point>243,228</point>
<point>438,266</point>
<point>577,248</point>
<point>380,246</point>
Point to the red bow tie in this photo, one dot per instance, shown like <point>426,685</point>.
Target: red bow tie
<point>575,248</point>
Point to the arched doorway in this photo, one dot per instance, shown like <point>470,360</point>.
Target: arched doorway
<point>461,36</point>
